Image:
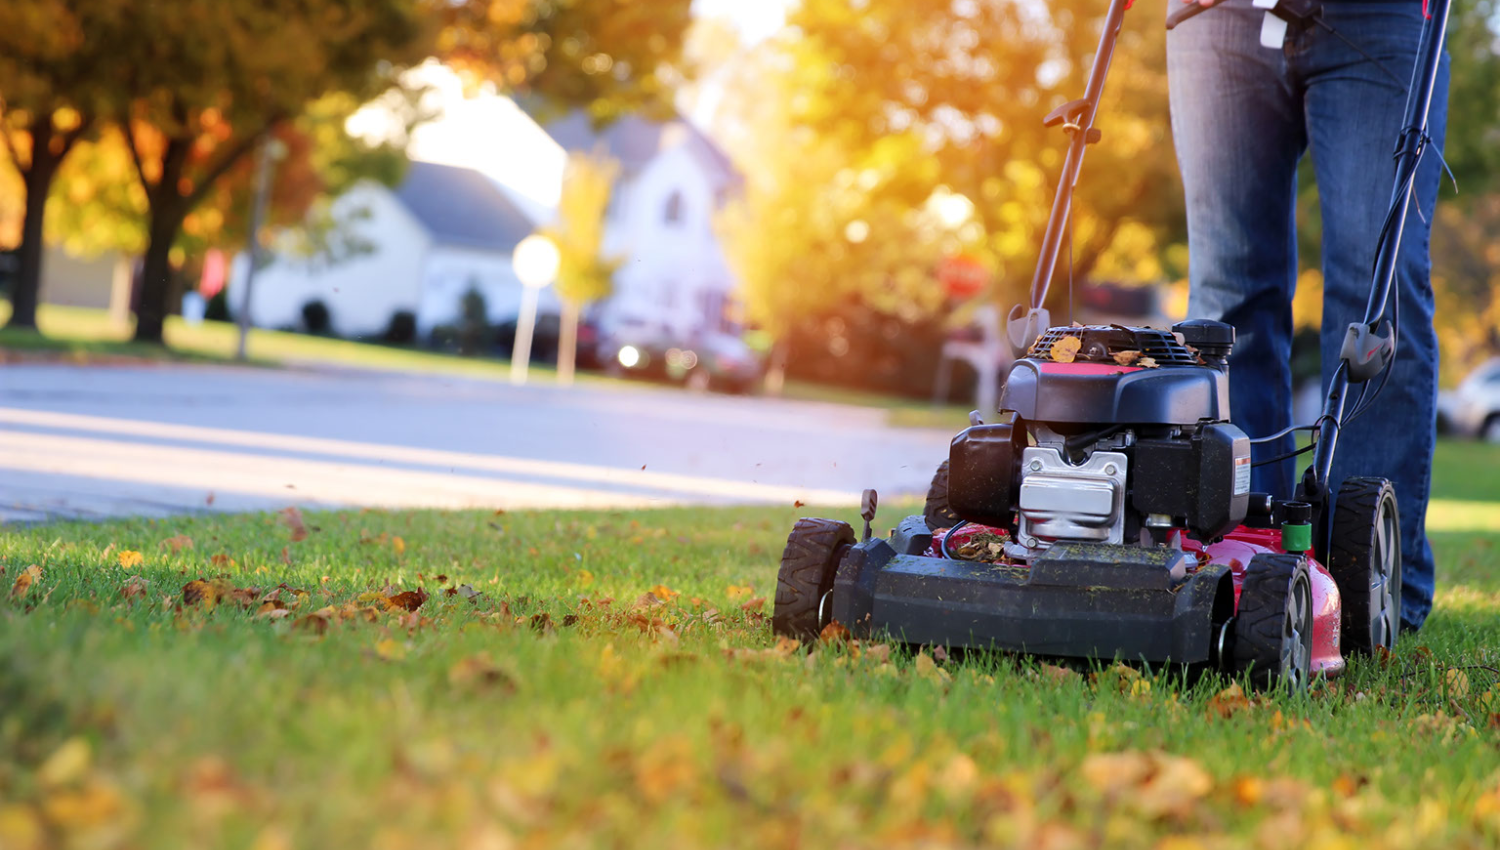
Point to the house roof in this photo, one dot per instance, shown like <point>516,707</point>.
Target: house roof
<point>460,206</point>
<point>634,141</point>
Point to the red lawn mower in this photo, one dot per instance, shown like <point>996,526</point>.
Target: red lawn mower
<point>1106,512</point>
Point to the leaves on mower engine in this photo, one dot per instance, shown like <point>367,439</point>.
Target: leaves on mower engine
<point>1065,349</point>
<point>1127,358</point>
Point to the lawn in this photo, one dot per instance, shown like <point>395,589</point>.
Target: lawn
<point>610,680</point>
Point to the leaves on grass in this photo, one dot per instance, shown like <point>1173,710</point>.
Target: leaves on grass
<point>755,604</point>
<point>67,764</point>
<point>177,543</point>
<point>389,650</point>
<point>1228,702</point>
<point>1153,784</point>
<point>479,672</point>
<point>130,558</point>
<point>834,632</point>
<point>25,580</point>
<point>134,587</point>
<point>736,591</point>
<point>1065,350</point>
<point>926,668</point>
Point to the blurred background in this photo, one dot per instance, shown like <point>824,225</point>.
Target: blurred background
<point>831,200</point>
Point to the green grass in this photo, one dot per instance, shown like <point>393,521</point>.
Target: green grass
<point>542,715</point>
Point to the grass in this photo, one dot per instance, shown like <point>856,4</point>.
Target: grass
<point>540,713</point>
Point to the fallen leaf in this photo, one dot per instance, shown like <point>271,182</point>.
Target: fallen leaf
<point>585,578</point>
<point>478,671</point>
<point>178,542</point>
<point>1065,350</point>
<point>755,604</point>
<point>1054,673</point>
<point>646,600</point>
<point>409,600</point>
<point>221,560</point>
<point>67,764</point>
<point>928,669</point>
<point>1147,363</point>
<point>834,632</point>
<point>879,653</point>
<point>1457,683</point>
<point>390,650</point>
<point>291,517</point>
<point>24,581</point>
<point>398,544</point>
<point>134,587</point>
<point>940,655</point>
<point>1229,701</point>
<point>130,558</point>
<point>664,593</point>
<point>1125,358</point>
<point>736,591</point>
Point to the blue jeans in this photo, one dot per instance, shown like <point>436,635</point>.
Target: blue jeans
<point>1242,117</point>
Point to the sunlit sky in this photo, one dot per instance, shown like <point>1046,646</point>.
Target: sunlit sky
<point>490,134</point>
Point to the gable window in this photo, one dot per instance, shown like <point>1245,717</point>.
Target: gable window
<point>674,208</point>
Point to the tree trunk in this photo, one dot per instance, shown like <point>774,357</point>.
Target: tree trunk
<point>167,210</point>
<point>567,343</point>
<point>26,292</point>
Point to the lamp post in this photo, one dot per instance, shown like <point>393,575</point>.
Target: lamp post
<point>535,261</point>
<point>272,150</point>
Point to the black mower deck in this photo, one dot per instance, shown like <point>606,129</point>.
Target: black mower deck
<point>1078,601</point>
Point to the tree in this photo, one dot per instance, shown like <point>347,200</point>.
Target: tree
<point>584,274</point>
<point>610,57</point>
<point>50,52</point>
<point>201,81</point>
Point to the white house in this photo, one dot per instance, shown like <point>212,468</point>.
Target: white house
<point>672,181</point>
<point>420,248</point>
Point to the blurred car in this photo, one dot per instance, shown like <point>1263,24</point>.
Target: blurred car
<point>710,361</point>
<point>1473,409</point>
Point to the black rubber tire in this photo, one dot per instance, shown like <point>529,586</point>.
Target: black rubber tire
<point>1273,624</point>
<point>812,555</point>
<point>937,511</point>
<point>1364,556</point>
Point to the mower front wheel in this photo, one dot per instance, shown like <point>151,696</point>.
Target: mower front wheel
<point>812,555</point>
<point>937,511</point>
<point>1365,560</point>
<point>1274,622</point>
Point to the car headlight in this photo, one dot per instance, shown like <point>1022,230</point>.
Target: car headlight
<point>629,356</point>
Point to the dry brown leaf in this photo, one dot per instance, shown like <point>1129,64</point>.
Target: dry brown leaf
<point>478,671</point>
<point>1147,363</point>
<point>755,604</point>
<point>177,543</point>
<point>1065,350</point>
<point>24,581</point>
<point>1229,701</point>
<point>798,503</point>
<point>879,653</point>
<point>134,587</point>
<point>1126,358</point>
<point>409,600</point>
<point>664,593</point>
<point>291,517</point>
<point>834,632</point>
<point>1054,673</point>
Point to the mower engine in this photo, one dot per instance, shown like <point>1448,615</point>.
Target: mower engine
<point>1109,434</point>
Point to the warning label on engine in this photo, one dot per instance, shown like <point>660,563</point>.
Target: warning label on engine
<point>1241,476</point>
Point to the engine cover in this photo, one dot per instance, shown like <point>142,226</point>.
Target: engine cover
<point>1059,501</point>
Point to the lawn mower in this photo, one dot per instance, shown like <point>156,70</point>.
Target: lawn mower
<point>1106,512</point>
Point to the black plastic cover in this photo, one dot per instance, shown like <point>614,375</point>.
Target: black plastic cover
<point>984,466</point>
<point>1041,391</point>
<point>1202,481</point>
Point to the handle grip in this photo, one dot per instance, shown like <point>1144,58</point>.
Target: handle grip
<point>1188,10</point>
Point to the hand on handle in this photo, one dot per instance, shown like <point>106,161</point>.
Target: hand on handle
<point>1189,9</point>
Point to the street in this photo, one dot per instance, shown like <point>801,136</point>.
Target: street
<point>95,441</point>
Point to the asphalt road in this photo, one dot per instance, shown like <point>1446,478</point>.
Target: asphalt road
<point>96,441</point>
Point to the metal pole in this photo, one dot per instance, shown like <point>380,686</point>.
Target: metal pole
<point>257,216</point>
<point>1062,204</point>
<point>520,356</point>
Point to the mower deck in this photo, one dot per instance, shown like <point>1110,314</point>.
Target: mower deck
<point>1077,600</point>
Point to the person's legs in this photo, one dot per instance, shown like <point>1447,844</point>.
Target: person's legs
<point>1354,113</point>
<point>1237,124</point>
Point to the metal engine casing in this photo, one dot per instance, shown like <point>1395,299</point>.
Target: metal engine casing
<point>1060,501</point>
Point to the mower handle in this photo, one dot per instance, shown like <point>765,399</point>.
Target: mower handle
<point>1188,10</point>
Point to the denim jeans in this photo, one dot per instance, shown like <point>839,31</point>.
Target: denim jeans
<point>1243,115</point>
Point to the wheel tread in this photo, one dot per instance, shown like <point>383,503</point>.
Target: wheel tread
<point>1354,519</point>
<point>807,567</point>
<point>1261,613</point>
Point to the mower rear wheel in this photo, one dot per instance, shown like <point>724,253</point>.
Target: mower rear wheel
<point>1273,624</point>
<point>1364,557</point>
<point>937,511</point>
<point>812,555</point>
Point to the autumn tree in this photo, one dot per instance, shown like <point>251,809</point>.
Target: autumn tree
<point>584,273</point>
<point>50,54</point>
<point>202,81</point>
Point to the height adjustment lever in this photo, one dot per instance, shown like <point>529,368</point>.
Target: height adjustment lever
<point>1069,115</point>
<point>1022,330</point>
<point>1367,349</point>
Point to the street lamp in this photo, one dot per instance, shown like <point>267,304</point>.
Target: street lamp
<point>272,150</point>
<point>535,261</point>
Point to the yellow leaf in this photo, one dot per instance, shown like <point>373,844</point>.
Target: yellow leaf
<point>130,558</point>
<point>928,669</point>
<point>25,580</point>
<point>1065,350</point>
<point>68,763</point>
<point>736,591</point>
<point>1457,683</point>
<point>664,593</point>
<point>390,650</point>
<point>20,828</point>
<point>585,578</point>
<point>398,544</point>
